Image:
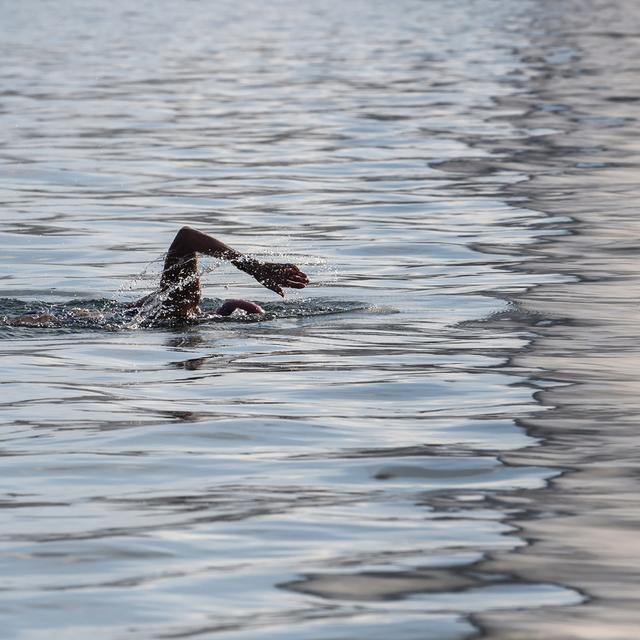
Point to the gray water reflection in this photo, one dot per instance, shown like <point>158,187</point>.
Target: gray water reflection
<point>347,466</point>
<point>585,528</point>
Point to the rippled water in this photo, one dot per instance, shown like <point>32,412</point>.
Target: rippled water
<point>386,454</point>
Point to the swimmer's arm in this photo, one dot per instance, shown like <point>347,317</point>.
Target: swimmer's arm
<point>272,275</point>
<point>189,241</point>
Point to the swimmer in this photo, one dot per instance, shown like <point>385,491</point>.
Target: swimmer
<point>180,283</point>
<point>180,294</point>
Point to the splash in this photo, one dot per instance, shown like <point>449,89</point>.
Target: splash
<point>109,315</point>
<point>142,305</point>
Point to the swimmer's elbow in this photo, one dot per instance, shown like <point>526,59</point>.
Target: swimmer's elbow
<point>185,232</point>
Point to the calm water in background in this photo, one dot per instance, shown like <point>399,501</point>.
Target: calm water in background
<point>365,462</point>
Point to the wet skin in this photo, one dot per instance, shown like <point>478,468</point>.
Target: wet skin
<point>180,289</point>
<point>180,282</point>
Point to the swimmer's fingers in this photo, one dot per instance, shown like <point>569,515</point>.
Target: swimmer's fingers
<point>295,284</point>
<point>274,276</point>
<point>291,281</point>
<point>293,277</point>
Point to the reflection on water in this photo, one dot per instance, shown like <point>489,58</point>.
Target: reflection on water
<point>370,458</point>
<point>585,526</point>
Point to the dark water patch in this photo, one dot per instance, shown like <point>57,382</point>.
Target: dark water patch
<point>380,586</point>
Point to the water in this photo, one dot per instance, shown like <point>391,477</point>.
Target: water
<point>394,451</point>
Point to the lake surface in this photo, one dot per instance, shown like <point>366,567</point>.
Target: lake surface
<point>436,439</point>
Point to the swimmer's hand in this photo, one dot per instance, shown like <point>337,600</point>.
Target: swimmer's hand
<point>273,275</point>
